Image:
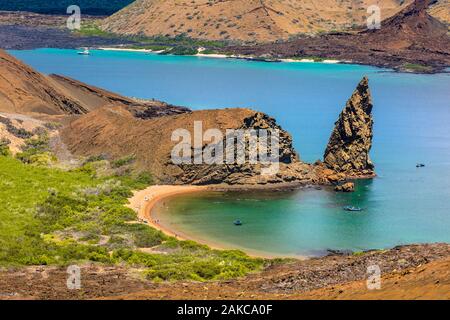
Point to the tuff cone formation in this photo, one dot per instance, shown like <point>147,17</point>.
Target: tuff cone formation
<point>349,145</point>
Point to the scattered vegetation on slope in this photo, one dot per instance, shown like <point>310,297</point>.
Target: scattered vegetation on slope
<point>415,67</point>
<point>178,45</point>
<point>51,216</point>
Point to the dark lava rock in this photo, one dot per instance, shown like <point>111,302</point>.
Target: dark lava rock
<point>351,140</point>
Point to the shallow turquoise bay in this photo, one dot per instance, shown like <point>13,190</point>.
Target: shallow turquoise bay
<point>412,125</point>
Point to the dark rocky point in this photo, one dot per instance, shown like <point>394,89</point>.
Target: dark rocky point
<point>351,140</point>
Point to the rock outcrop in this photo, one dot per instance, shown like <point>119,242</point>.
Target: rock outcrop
<point>346,187</point>
<point>98,122</point>
<point>116,132</point>
<point>351,140</point>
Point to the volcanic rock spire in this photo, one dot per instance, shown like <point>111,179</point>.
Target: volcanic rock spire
<point>351,140</point>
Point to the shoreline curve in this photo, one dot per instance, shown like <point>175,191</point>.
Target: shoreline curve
<point>144,202</point>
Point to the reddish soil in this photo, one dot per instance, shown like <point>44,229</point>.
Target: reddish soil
<point>408,272</point>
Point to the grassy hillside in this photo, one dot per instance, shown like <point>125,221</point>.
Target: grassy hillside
<point>50,216</point>
<point>92,7</point>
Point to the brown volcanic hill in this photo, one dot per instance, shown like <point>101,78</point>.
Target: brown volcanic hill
<point>441,11</point>
<point>411,27</point>
<point>410,37</point>
<point>245,20</point>
<point>26,91</point>
<point>116,133</point>
<point>23,90</point>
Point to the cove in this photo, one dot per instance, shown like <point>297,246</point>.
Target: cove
<point>404,204</point>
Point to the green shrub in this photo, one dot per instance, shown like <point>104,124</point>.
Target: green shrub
<point>36,151</point>
<point>60,217</point>
<point>145,237</point>
<point>4,147</point>
<point>123,161</point>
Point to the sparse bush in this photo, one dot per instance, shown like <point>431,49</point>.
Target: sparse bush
<point>123,161</point>
<point>4,147</point>
<point>36,151</point>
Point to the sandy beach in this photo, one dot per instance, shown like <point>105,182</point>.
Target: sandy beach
<point>219,56</point>
<point>145,200</point>
<point>145,203</point>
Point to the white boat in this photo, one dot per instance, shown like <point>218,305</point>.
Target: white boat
<point>85,52</point>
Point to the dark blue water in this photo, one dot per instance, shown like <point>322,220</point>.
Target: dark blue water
<point>412,124</point>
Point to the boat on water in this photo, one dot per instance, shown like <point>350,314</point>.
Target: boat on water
<point>420,165</point>
<point>237,223</point>
<point>352,209</point>
<point>85,52</point>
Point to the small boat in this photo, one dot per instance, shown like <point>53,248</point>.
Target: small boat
<point>238,223</point>
<point>420,165</point>
<point>85,52</point>
<point>352,209</point>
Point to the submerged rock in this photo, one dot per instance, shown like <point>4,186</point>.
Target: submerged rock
<point>351,140</point>
<point>346,187</point>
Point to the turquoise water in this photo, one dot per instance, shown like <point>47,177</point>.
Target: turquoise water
<point>412,124</point>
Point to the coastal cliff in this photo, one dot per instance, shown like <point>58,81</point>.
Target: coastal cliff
<point>101,123</point>
<point>351,140</point>
<point>117,133</point>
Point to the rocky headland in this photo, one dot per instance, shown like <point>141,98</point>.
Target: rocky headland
<point>100,123</point>
<point>117,133</point>
<point>350,143</point>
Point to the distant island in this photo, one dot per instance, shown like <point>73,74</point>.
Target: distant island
<point>413,37</point>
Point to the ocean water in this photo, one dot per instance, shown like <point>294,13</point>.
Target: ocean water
<point>402,205</point>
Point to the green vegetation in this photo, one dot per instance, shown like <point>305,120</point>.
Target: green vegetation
<point>123,161</point>
<point>314,58</point>
<point>180,41</point>
<point>37,151</point>
<point>414,67</point>
<point>50,216</point>
<point>181,51</point>
<point>4,147</point>
<point>178,45</point>
<point>91,29</point>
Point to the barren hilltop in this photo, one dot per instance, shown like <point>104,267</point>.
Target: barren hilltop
<point>248,20</point>
<point>411,40</point>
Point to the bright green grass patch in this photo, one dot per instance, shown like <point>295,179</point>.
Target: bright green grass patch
<point>50,216</point>
<point>414,67</point>
<point>314,58</point>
